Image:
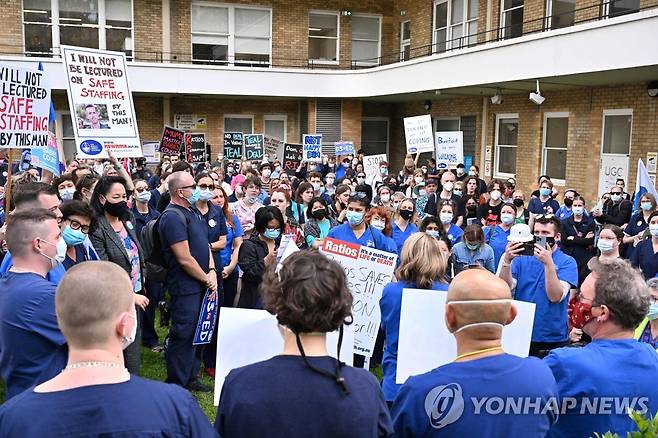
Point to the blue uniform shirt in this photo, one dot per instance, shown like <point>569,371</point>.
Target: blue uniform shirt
<point>454,234</point>
<point>54,275</point>
<point>537,207</point>
<point>143,219</point>
<point>483,256</point>
<point>232,232</point>
<point>399,236</point>
<point>371,238</point>
<point>563,213</point>
<point>173,230</point>
<point>636,225</point>
<point>623,370</point>
<point>216,226</point>
<point>32,349</point>
<point>644,258</point>
<point>496,238</point>
<point>390,305</point>
<point>550,318</point>
<point>451,401</point>
<point>155,198</point>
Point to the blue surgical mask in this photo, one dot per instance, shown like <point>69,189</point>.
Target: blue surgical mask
<point>354,218</point>
<point>473,246</point>
<point>433,233</point>
<point>646,206</point>
<point>144,196</point>
<point>544,191</point>
<point>605,245</point>
<point>67,193</point>
<point>378,225</point>
<point>206,195</point>
<point>73,237</point>
<point>194,196</point>
<point>578,211</point>
<point>653,312</point>
<point>457,192</point>
<point>272,233</point>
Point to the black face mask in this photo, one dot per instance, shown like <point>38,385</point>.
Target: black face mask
<point>116,209</point>
<point>319,214</point>
<point>471,208</point>
<point>518,202</point>
<point>406,214</point>
<point>568,202</point>
<point>393,187</point>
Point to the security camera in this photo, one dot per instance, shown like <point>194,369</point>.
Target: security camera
<point>537,98</point>
<point>497,99</point>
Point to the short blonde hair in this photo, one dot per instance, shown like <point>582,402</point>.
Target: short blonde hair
<point>88,301</point>
<point>421,261</point>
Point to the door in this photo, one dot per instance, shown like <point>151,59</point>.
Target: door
<point>615,148</point>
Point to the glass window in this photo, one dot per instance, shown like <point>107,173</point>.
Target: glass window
<point>512,18</point>
<point>365,39</point>
<point>323,37</point>
<point>617,133</point>
<point>68,137</point>
<point>374,136</point>
<point>562,13</point>
<point>209,33</point>
<point>252,35</point>
<point>405,40</point>
<point>78,23</point>
<point>455,24</point>
<point>440,26</point>
<point>118,26</point>
<point>622,7</point>
<point>556,133</point>
<point>37,19</point>
<point>506,141</point>
<point>275,126</point>
<point>447,124</point>
<point>238,124</point>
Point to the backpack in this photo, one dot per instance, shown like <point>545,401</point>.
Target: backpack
<point>156,267</point>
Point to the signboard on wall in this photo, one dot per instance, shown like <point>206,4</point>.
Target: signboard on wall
<point>190,122</point>
<point>612,167</point>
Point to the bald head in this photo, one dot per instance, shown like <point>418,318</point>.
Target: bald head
<point>90,299</point>
<point>178,180</point>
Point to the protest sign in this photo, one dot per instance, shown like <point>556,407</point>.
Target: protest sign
<point>195,148</point>
<point>151,150</point>
<point>273,147</point>
<point>312,151</point>
<point>233,145</point>
<point>418,134</point>
<point>371,165</point>
<point>24,108</point>
<point>47,158</point>
<point>368,270</point>
<point>172,140</point>
<point>207,320</point>
<point>247,336</point>
<point>253,147</point>
<point>292,157</point>
<point>190,122</point>
<point>449,149</point>
<point>101,104</point>
<point>344,148</point>
<point>425,342</point>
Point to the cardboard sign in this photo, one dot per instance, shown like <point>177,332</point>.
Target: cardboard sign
<point>368,270</point>
<point>195,148</point>
<point>344,148</point>
<point>246,336</point>
<point>24,108</point>
<point>449,149</point>
<point>425,342</point>
<point>102,109</point>
<point>273,147</point>
<point>233,145</point>
<point>207,320</point>
<point>47,158</point>
<point>253,147</point>
<point>292,157</point>
<point>171,141</point>
<point>418,134</point>
<point>371,165</point>
<point>312,151</point>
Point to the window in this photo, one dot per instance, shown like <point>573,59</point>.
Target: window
<point>560,13</point>
<point>98,24</point>
<point>67,135</point>
<point>230,35</point>
<point>323,31</point>
<point>374,135</point>
<point>447,124</point>
<point>328,114</point>
<point>455,24</point>
<point>615,8</point>
<point>366,38</point>
<point>405,40</point>
<point>275,126</point>
<point>617,126</point>
<point>239,123</point>
<point>555,140</point>
<point>511,19</point>
<point>507,136</point>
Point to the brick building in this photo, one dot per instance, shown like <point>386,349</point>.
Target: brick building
<point>352,70</point>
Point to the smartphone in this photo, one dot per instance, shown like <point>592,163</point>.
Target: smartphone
<point>541,241</point>
<point>528,248</point>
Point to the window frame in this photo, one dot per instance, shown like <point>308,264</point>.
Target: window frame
<point>277,118</point>
<point>549,16</point>
<point>337,38</point>
<point>503,28</point>
<point>405,42</point>
<point>379,40</point>
<point>449,43</point>
<point>497,173</point>
<point>238,116</point>
<point>545,149</point>
<point>230,36</point>
<point>388,129</point>
<point>617,112</point>
<point>59,131</point>
<point>444,119</point>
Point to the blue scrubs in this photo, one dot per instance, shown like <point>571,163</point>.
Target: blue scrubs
<point>54,275</point>
<point>390,305</point>
<point>483,256</point>
<point>550,318</point>
<point>636,225</point>
<point>216,226</point>
<point>232,233</point>
<point>32,349</point>
<point>537,207</point>
<point>143,219</point>
<point>441,402</point>
<point>136,408</point>
<point>399,236</point>
<point>619,370</point>
<point>496,238</point>
<point>80,256</point>
<point>371,238</point>
<point>644,258</point>
<point>454,234</point>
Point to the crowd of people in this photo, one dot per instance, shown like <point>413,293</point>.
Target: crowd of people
<point>91,256</point>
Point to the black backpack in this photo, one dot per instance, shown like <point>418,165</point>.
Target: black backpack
<point>156,267</point>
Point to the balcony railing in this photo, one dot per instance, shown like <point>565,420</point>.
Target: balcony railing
<point>547,23</point>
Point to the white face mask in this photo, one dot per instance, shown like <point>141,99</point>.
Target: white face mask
<point>507,218</point>
<point>66,194</point>
<point>385,197</point>
<point>446,218</point>
<point>448,186</point>
<point>330,181</point>
<point>419,179</point>
<point>267,173</point>
<point>495,195</point>
<point>653,229</point>
<point>60,256</point>
<point>125,342</point>
<point>378,225</point>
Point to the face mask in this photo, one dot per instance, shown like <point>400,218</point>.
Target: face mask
<point>330,181</point>
<point>267,173</point>
<point>495,195</point>
<point>482,323</point>
<point>433,233</point>
<point>230,170</point>
<point>568,202</point>
<point>144,196</point>
<point>653,312</point>
<point>446,218</point>
<point>194,196</point>
<point>250,199</point>
<point>354,218</point>
<point>378,225</point>
<point>460,172</point>
<point>419,179</point>
<point>272,233</point>
<point>653,229</point>
<point>73,237</point>
<point>360,180</point>
<point>518,203</point>
<point>116,209</point>
<point>579,313</point>
<point>578,211</point>
<point>471,208</point>
<point>422,192</point>
<point>319,214</point>
<point>544,191</point>
<point>125,342</point>
<point>316,187</point>
<point>406,214</point>
<point>423,170</point>
<point>646,206</point>
<point>507,218</point>
<point>457,192</point>
<point>206,195</point>
<point>615,197</point>
<point>60,255</point>
<point>471,173</point>
<point>393,187</point>
<point>385,197</point>
<point>473,246</point>
<point>66,194</point>
<point>346,164</point>
<point>383,171</point>
<point>448,186</point>
<point>278,168</point>
<point>604,245</point>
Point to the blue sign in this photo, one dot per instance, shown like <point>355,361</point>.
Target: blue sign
<point>207,320</point>
<point>344,148</point>
<point>312,147</point>
<point>468,161</point>
<point>91,147</point>
<point>47,158</point>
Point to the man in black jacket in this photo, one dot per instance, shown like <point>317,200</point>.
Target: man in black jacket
<point>616,210</point>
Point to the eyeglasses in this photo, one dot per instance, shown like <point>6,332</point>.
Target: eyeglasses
<point>187,187</point>
<point>75,225</point>
<point>205,187</point>
<point>141,189</point>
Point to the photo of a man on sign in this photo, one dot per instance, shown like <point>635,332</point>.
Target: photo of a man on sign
<point>91,116</point>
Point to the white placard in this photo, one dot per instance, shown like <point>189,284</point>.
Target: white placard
<point>371,165</point>
<point>151,150</point>
<point>449,149</point>
<point>425,342</point>
<point>419,134</point>
<point>273,147</point>
<point>101,104</point>
<point>612,167</point>
<point>247,336</point>
<point>24,108</point>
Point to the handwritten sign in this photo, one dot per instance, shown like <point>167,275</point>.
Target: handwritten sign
<point>292,157</point>
<point>273,147</point>
<point>195,148</point>
<point>101,104</point>
<point>368,270</point>
<point>449,149</point>
<point>207,321</point>
<point>418,134</point>
<point>312,151</point>
<point>233,145</point>
<point>344,148</point>
<point>24,108</point>
<point>371,165</point>
<point>171,141</point>
<point>47,158</point>
<point>253,147</point>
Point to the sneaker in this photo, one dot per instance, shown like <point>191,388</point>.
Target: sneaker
<point>210,372</point>
<point>197,386</point>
